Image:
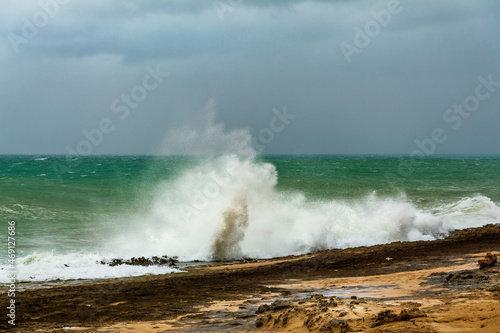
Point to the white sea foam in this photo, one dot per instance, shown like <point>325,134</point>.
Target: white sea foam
<point>48,266</point>
<point>209,207</point>
<point>250,218</point>
<point>469,212</point>
<point>229,207</point>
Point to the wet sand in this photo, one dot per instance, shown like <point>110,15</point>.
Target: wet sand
<point>398,287</point>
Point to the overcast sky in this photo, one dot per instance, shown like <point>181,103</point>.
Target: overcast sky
<point>354,85</point>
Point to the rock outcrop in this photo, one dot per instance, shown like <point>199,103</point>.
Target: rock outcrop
<point>488,261</point>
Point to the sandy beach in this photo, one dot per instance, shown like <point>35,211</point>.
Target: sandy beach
<point>433,286</point>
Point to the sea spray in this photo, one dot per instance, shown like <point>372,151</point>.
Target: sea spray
<point>49,266</point>
<point>221,202</point>
<point>285,213</point>
<point>250,217</point>
<point>228,206</point>
<point>227,242</point>
<point>213,222</point>
<point>202,136</point>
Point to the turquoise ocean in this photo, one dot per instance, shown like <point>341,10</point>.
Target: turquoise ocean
<point>71,213</point>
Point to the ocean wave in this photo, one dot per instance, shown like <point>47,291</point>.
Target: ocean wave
<point>229,207</point>
<point>49,266</point>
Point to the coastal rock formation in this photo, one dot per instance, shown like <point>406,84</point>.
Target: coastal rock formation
<point>142,261</point>
<point>388,316</point>
<point>322,314</point>
<point>488,261</point>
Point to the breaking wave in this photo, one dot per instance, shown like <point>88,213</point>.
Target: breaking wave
<point>229,207</point>
<point>49,266</point>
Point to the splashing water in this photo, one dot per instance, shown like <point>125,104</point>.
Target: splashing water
<point>209,213</point>
<point>228,204</point>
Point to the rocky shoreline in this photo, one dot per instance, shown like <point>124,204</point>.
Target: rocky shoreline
<point>398,287</point>
<point>142,261</point>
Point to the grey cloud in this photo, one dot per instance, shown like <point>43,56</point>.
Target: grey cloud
<point>264,54</point>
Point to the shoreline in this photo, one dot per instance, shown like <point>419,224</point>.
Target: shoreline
<point>319,285</point>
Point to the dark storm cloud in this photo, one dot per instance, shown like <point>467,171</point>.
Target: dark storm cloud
<point>252,56</point>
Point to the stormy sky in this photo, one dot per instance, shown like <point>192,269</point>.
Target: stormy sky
<point>303,77</point>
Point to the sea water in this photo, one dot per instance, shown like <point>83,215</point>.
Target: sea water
<point>71,213</point>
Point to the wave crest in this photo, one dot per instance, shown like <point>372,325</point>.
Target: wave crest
<point>209,213</point>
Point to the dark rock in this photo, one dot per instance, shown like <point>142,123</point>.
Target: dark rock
<point>489,260</point>
<point>406,315</point>
<point>263,308</point>
<point>388,316</point>
<point>142,261</point>
<point>332,303</point>
<point>494,288</point>
<point>335,326</point>
<point>278,305</point>
<point>317,296</point>
<point>384,317</point>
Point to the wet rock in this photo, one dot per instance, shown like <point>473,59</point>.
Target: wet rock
<point>489,260</point>
<point>335,326</point>
<point>384,317</point>
<point>494,288</point>
<point>278,305</point>
<point>317,296</point>
<point>263,308</point>
<point>388,316</point>
<point>142,261</point>
<point>461,279</point>
<point>467,276</point>
<point>406,315</point>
